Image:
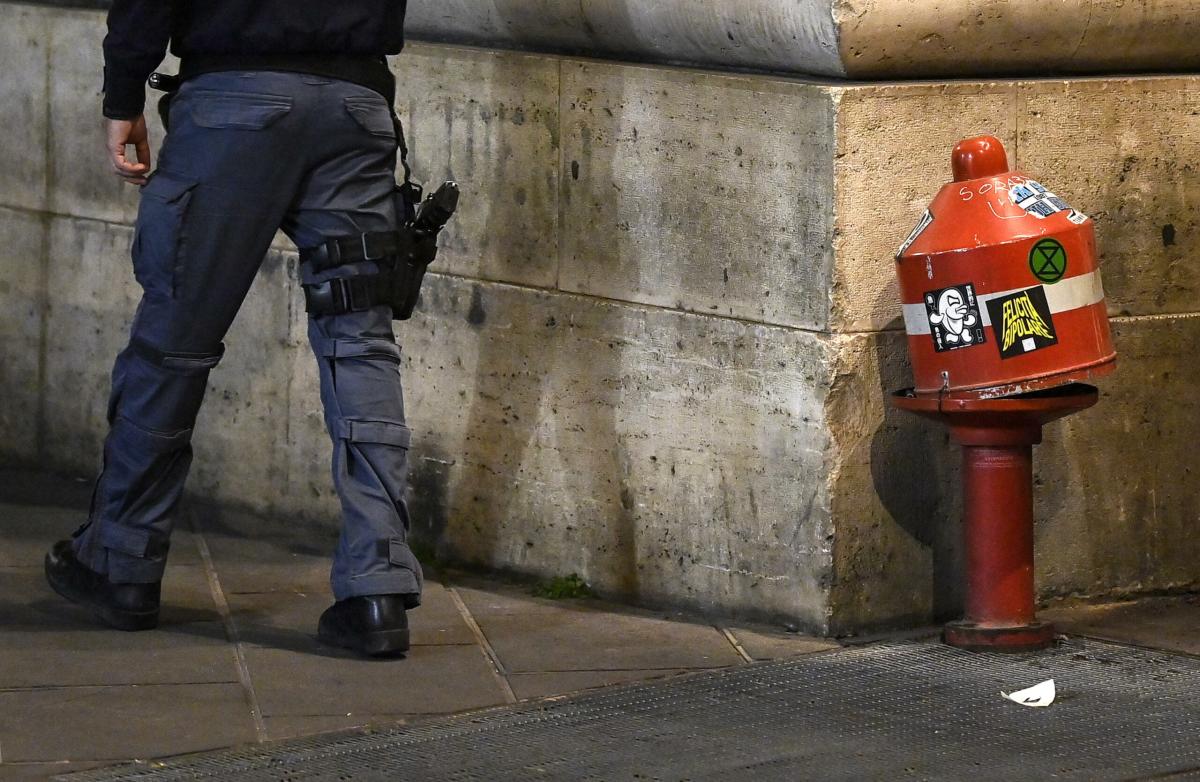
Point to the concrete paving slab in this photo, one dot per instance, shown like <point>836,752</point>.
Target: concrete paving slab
<point>764,644</point>
<point>252,556</point>
<point>1169,623</point>
<point>306,575</point>
<point>186,600</point>
<point>317,681</point>
<point>533,635</point>
<point>30,531</point>
<point>194,653</point>
<point>49,642</point>
<point>290,619</point>
<point>542,685</point>
<point>142,721</point>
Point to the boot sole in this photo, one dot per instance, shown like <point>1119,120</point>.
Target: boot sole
<point>129,621</point>
<point>382,643</point>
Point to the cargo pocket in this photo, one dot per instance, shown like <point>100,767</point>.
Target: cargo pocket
<point>372,115</point>
<point>238,110</point>
<point>159,234</point>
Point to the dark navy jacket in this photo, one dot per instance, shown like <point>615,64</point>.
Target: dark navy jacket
<point>320,36</point>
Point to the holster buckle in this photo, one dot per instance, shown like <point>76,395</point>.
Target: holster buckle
<point>374,247</point>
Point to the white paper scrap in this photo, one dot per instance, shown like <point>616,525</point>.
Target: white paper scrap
<point>1037,695</point>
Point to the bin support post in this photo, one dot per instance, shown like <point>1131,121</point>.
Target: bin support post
<point>997,438</point>
<point>998,528</point>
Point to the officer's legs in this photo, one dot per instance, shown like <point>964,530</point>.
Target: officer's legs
<point>358,359</point>
<point>357,352</point>
<point>359,365</point>
<point>225,180</point>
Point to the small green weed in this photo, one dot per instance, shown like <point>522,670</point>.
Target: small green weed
<point>564,588</point>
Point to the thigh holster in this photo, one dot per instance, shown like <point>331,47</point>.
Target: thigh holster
<point>403,256</point>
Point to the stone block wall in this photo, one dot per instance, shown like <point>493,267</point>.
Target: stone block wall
<point>858,39</point>
<point>656,348</point>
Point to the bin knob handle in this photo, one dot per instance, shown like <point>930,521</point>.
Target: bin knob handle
<point>978,157</point>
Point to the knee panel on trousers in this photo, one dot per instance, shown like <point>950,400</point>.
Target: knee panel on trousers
<point>160,390</point>
<point>184,363</point>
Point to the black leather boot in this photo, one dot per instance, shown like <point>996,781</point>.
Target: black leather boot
<point>372,625</point>
<point>123,606</point>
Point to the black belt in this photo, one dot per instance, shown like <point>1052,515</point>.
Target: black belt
<point>370,71</point>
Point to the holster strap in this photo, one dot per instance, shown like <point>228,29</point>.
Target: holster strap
<point>351,249</point>
<point>345,294</point>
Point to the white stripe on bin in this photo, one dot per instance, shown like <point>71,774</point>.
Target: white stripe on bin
<point>1070,294</point>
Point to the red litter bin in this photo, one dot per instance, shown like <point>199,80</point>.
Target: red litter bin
<point>1000,285</point>
<point>1005,314</point>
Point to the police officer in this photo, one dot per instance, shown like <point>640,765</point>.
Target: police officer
<point>284,120</point>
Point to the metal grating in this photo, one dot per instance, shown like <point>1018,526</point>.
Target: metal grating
<point>906,710</point>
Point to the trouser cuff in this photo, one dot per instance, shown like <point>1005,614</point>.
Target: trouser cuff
<point>398,582</point>
<point>119,567</point>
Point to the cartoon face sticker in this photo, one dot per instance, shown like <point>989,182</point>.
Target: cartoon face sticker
<point>954,319</point>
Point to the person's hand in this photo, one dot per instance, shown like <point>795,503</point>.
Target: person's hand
<point>121,133</point>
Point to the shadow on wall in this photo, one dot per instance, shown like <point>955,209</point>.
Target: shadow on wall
<point>915,473</point>
<point>530,365</point>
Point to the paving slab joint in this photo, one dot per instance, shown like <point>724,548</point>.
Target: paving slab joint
<point>231,632</point>
<point>485,646</point>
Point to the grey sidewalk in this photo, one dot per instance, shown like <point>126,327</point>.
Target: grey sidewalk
<point>235,660</point>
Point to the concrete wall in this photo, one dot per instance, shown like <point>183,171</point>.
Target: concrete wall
<point>657,345</point>
<point>859,39</point>
<point>606,376</point>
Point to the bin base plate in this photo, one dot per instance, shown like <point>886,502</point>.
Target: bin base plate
<point>1020,638</point>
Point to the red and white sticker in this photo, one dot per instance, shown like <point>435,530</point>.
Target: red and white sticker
<point>1037,200</point>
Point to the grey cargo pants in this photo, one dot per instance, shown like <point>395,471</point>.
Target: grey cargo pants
<point>248,153</point>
